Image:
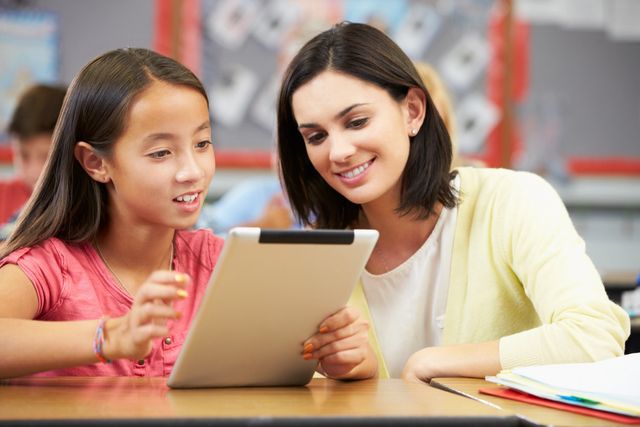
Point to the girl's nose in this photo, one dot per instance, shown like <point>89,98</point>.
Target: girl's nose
<point>189,170</point>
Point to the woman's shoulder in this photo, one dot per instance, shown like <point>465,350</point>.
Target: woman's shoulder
<point>501,182</point>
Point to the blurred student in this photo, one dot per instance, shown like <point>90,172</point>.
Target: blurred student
<point>444,104</point>
<point>102,276</point>
<point>254,202</point>
<point>475,270</point>
<point>30,131</point>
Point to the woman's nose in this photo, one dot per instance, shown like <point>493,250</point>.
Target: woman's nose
<point>340,149</point>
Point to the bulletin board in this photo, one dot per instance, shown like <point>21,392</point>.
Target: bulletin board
<point>29,54</point>
<point>48,41</point>
<point>244,45</point>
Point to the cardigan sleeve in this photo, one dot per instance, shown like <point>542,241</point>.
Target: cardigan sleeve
<point>578,321</point>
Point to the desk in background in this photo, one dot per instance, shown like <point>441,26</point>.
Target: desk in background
<point>147,401</point>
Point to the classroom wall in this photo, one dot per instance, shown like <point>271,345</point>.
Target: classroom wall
<point>91,27</point>
<point>601,120</point>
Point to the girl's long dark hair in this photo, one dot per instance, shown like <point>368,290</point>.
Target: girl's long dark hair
<point>67,203</point>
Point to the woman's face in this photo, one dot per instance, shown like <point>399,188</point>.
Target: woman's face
<point>162,164</point>
<point>356,135</point>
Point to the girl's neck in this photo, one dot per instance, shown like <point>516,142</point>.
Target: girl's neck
<point>133,256</point>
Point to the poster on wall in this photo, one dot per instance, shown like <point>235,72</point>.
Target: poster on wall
<point>246,45</point>
<point>28,54</point>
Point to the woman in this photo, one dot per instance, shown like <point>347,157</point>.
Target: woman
<point>476,270</point>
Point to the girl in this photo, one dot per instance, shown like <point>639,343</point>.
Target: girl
<point>99,277</point>
<point>475,270</point>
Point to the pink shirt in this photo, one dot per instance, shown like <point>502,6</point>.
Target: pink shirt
<point>73,283</point>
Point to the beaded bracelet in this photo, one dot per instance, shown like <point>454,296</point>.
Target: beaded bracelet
<point>98,340</point>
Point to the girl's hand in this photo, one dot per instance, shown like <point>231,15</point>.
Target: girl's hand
<point>342,346</point>
<point>131,336</point>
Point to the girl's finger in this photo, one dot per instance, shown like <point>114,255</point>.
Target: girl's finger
<point>152,312</point>
<point>142,334</point>
<point>169,277</point>
<point>153,291</point>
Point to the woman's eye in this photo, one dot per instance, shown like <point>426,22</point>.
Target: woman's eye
<point>358,123</point>
<point>315,138</point>
<point>203,144</point>
<point>159,154</point>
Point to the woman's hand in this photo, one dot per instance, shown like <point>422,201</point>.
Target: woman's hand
<point>131,336</point>
<point>463,360</point>
<point>342,346</point>
<point>422,365</point>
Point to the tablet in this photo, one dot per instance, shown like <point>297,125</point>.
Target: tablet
<point>267,294</point>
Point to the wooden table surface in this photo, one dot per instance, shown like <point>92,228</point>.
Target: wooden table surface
<point>534,413</point>
<point>104,398</point>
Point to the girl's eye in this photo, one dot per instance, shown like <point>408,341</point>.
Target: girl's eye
<point>159,154</point>
<point>357,123</point>
<point>203,144</point>
<point>316,138</point>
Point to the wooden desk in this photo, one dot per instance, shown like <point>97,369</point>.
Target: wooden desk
<point>118,401</point>
<point>537,414</point>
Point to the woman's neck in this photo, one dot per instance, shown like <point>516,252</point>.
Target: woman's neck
<point>400,236</point>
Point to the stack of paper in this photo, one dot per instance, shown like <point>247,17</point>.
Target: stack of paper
<point>611,385</point>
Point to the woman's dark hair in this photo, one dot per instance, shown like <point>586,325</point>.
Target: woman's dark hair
<point>67,203</point>
<point>366,53</point>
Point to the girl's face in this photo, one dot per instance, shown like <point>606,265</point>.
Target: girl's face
<point>161,166</point>
<point>356,135</point>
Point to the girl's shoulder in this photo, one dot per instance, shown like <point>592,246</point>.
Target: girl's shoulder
<point>202,243</point>
<point>49,251</point>
<point>199,238</point>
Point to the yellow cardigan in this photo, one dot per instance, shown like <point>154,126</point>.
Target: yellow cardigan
<point>520,273</point>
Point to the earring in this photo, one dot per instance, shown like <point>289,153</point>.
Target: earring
<point>413,132</point>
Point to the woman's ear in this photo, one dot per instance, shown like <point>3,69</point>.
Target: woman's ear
<point>91,162</point>
<point>416,104</point>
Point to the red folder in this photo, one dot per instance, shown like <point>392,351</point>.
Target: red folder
<point>508,393</point>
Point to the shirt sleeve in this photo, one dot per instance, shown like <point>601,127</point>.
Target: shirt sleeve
<point>579,322</point>
<point>42,266</point>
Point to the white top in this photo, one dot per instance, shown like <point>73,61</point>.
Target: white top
<point>408,303</point>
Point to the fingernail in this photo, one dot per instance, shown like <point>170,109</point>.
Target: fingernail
<point>182,293</point>
<point>307,356</point>
<point>180,277</point>
<point>308,348</point>
<point>324,330</point>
